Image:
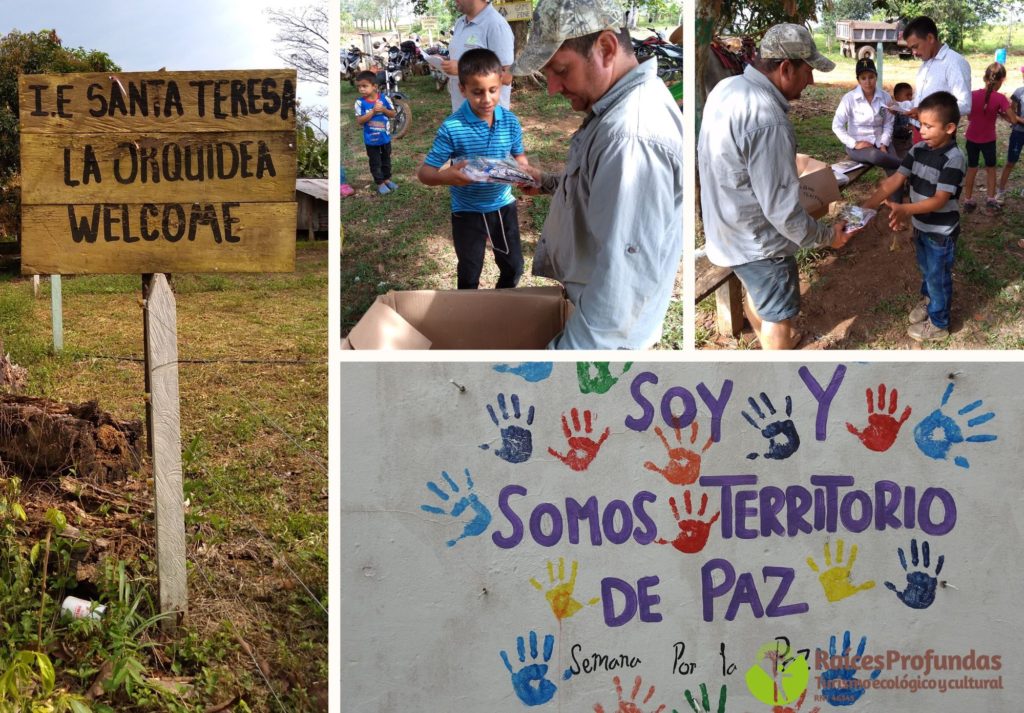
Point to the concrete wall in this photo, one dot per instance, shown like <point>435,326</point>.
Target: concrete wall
<point>501,551</point>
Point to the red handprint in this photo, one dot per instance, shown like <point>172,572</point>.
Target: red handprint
<point>882,428</point>
<point>693,533</point>
<point>630,706</point>
<point>799,705</point>
<point>582,449</point>
<point>683,467</point>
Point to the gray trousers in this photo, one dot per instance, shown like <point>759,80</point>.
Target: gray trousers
<point>887,160</point>
<point>876,157</point>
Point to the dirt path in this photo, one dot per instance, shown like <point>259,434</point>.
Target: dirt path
<point>861,296</point>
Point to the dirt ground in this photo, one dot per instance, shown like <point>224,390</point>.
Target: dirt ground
<point>862,295</point>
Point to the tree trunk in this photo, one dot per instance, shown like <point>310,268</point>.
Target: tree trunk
<point>42,438</point>
<point>520,31</point>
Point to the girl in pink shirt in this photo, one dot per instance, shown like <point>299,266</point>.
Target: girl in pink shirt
<point>986,105</point>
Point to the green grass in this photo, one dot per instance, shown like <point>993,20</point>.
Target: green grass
<point>254,440</point>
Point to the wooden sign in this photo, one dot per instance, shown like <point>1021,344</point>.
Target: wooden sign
<point>515,11</point>
<point>158,172</point>
<point>428,23</point>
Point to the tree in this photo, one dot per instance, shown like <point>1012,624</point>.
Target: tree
<point>956,20</point>
<point>658,11</point>
<point>443,10</point>
<point>392,10</point>
<point>363,11</point>
<point>31,53</point>
<point>752,19</point>
<point>304,34</point>
<point>311,142</point>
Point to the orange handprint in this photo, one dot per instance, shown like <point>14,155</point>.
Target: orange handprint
<point>683,467</point>
<point>630,706</point>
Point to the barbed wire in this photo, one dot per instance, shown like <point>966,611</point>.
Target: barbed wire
<point>307,452</point>
<point>248,648</point>
<point>225,360</point>
<point>310,455</point>
<point>292,572</point>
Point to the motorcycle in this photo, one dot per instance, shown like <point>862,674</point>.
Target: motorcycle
<point>410,55</point>
<point>648,46</point>
<point>669,56</point>
<point>387,84</point>
<point>439,49</point>
<point>351,59</point>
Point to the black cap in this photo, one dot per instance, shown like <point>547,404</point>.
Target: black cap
<point>866,64</point>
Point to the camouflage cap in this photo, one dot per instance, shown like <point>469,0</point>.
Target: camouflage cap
<point>788,41</point>
<point>555,21</point>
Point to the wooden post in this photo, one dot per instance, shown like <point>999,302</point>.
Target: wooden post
<point>56,313</point>
<point>35,286</point>
<point>163,421</point>
<point>729,307</point>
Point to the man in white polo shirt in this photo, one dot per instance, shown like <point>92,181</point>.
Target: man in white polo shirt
<point>480,26</point>
<point>943,70</point>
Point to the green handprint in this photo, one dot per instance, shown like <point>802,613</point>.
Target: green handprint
<point>705,701</point>
<point>596,376</point>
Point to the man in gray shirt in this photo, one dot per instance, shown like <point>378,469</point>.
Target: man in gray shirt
<point>749,186</point>
<point>614,232</point>
<point>480,26</point>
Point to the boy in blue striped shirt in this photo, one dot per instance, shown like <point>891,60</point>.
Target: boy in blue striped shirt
<point>480,211</point>
<point>934,170</point>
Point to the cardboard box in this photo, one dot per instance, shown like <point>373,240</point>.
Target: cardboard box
<point>523,318</point>
<point>818,186</point>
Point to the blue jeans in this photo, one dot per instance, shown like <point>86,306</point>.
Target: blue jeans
<point>935,261</point>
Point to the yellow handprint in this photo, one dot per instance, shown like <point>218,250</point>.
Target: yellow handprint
<point>836,580</point>
<point>559,595</point>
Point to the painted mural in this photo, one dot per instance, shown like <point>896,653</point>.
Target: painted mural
<point>646,538</point>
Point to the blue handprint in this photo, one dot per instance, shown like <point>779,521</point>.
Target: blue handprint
<point>531,371</point>
<point>516,441</point>
<point>530,682</point>
<point>481,515</point>
<point>783,430</point>
<point>937,433</point>
<point>837,684</point>
<point>920,591</point>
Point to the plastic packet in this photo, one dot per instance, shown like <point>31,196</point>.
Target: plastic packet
<point>482,169</point>
<point>855,217</point>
